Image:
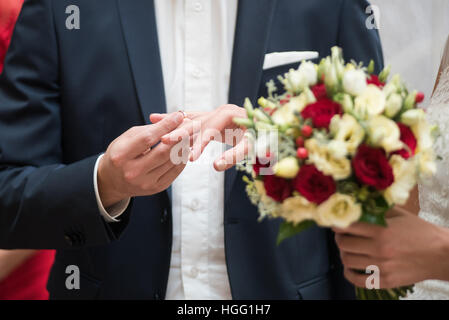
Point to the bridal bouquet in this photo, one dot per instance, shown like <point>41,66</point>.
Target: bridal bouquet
<point>339,145</point>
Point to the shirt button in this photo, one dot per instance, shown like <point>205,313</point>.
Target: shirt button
<point>195,204</point>
<point>196,73</point>
<point>194,272</point>
<point>198,7</point>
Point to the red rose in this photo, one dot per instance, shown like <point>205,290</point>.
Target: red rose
<point>258,165</point>
<point>375,80</point>
<point>371,167</point>
<point>408,138</point>
<point>313,185</point>
<point>277,188</point>
<point>319,91</point>
<point>321,112</point>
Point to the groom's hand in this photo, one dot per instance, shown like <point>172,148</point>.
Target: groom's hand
<point>134,166</point>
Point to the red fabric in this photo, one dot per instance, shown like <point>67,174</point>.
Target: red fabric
<point>10,10</point>
<point>29,281</point>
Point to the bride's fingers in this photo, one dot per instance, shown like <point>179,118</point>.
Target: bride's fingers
<point>186,130</point>
<point>355,261</point>
<point>201,142</point>
<point>232,156</point>
<point>359,280</point>
<point>361,229</point>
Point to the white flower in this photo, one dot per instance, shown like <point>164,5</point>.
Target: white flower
<point>370,102</point>
<point>338,149</point>
<point>404,180</point>
<point>347,130</point>
<point>426,163</point>
<point>354,82</point>
<point>297,209</point>
<point>285,115</point>
<point>266,141</point>
<point>393,105</point>
<point>413,116</point>
<point>325,161</point>
<point>309,71</point>
<point>297,80</point>
<point>384,132</point>
<point>422,130</point>
<point>425,155</point>
<point>339,211</point>
<point>287,168</point>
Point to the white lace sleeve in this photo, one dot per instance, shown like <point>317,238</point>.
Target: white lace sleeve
<point>434,194</point>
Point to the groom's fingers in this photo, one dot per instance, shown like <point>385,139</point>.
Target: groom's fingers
<point>232,156</point>
<point>137,140</point>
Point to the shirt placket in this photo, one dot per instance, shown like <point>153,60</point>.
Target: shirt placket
<point>197,97</point>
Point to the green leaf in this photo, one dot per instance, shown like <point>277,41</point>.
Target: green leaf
<point>287,229</point>
<point>374,210</point>
<point>378,219</point>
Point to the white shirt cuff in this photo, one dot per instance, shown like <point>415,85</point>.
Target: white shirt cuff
<point>113,212</point>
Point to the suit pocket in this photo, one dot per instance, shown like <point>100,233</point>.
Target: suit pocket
<point>273,73</point>
<point>319,288</point>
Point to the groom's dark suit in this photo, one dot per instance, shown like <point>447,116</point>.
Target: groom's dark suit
<point>66,94</point>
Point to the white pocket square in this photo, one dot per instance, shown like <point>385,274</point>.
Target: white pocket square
<point>276,59</point>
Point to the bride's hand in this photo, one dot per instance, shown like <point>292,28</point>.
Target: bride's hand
<point>409,250</point>
<point>203,127</point>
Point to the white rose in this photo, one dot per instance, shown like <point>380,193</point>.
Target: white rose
<point>298,103</point>
<point>287,168</point>
<point>404,180</point>
<point>354,82</point>
<point>326,162</point>
<point>393,105</point>
<point>426,163</point>
<point>297,209</point>
<point>347,130</point>
<point>422,130</point>
<point>370,102</point>
<point>285,115</point>
<point>384,132</point>
<point>339,211</point>
<point>338,149</point>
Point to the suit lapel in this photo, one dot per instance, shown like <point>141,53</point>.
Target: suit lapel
<point>250,45</point>
<point>140,32</point>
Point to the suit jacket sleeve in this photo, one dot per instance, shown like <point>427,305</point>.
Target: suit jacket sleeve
<point>43,202</point>
<point>359,42</point>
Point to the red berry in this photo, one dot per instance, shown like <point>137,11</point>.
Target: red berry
<point>300,142</point>
<point>419,97</point>
<point>306,131</point>
<point>302,153</point>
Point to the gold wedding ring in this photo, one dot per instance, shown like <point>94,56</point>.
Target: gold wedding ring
<point>183,113</point>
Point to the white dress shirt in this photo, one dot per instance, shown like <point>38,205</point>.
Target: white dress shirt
<point>196,43</point>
